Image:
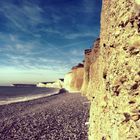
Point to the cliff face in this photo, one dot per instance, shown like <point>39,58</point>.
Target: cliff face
<point>73,80</point>
<point>90,67</point>
<point>57,84</point>
<point>112,80</point>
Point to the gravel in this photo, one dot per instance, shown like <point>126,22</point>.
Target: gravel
<point>59,117</point>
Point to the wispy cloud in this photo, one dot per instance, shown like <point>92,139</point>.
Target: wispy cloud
<point>38,36</point>
<point>51,31</point>
<point>80,35</point>
<point>24,16</point>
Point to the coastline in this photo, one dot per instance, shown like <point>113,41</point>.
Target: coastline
<point>27,98</point>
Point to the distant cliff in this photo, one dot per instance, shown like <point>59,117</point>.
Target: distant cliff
<point>74,79</point>
<point>112,73</point>
<point>90,67</point>
<point>55,84</point>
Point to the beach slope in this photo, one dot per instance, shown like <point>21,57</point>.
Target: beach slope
<point>59,117</point>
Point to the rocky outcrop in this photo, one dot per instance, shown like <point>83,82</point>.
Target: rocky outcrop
<point>73,80</point>
<point>112,79</point>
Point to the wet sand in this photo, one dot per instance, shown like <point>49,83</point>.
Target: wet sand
<point>59,117</point>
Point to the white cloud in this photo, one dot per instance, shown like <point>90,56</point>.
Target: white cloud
<point>79,35</point>
<point>50,30</point>
<point>18,48</point>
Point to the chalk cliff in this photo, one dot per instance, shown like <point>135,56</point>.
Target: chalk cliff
<point>74,79</point>
<point>112,74</point>
<point>56,84</point>
<point>90,67</point>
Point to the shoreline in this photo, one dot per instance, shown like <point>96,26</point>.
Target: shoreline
<point>27,98</point>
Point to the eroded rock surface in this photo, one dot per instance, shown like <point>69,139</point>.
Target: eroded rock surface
<point>112,81</point>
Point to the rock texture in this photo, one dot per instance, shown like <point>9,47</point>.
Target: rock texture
<point>112,79</point>
<point>73,80</point>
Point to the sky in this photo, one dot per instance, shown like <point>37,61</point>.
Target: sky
<point>40,40</point>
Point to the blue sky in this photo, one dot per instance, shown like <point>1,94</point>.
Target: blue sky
<point>40,40</point>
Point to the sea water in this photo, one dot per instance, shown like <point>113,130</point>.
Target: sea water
<point>11,94</point>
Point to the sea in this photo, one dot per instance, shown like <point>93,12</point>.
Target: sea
<point>11,94</point>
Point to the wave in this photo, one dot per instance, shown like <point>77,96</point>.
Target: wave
<point>26,98</point>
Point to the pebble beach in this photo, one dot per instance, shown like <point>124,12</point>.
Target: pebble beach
<point>58,117</point>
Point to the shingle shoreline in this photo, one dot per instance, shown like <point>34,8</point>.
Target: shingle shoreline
<point>59,117</point>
